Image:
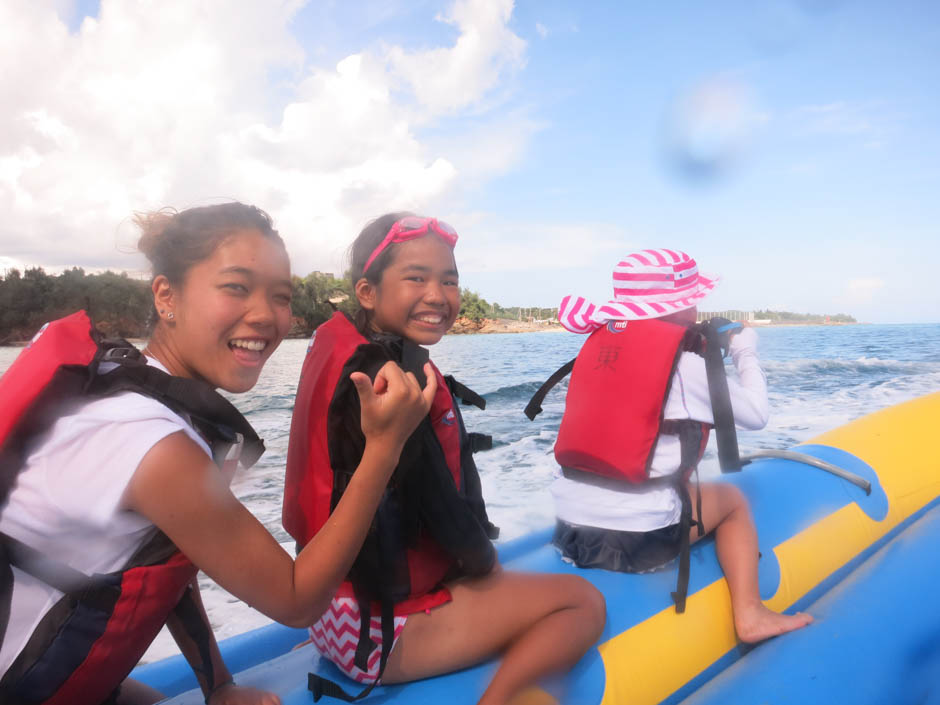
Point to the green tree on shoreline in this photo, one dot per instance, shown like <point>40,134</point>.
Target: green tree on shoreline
<point>118,304</point>
<point>121,305</point>
<point>790,317</point>
<point>316,297</point>
<point>473,306</point>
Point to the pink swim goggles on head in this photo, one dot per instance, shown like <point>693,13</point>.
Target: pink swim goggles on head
<point>412,227</point>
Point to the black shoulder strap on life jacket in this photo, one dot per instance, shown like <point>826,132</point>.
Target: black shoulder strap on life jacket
<point>211,414</point>
<point>466,395</point>
<point>693,435</point>
<point>190,618</point>
<point>477,441</point>
<point>6,589</point>
<point>685,526</point>
<point>722,413</point>
<point>534,407</point>
<point>59,575</point>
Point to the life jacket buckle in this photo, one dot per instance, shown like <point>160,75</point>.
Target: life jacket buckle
<point>123,355</point>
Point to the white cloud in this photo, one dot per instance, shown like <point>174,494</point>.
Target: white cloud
<point>542,30</point>
<point>448,79</point>
<point>8,263</point>
<point>148,106</point>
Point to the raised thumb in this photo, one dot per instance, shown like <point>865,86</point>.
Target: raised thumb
<point>363,386</point>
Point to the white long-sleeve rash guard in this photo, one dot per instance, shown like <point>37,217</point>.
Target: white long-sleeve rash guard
<point>650,508</point>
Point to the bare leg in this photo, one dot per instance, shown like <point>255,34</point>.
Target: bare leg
<point>725,510</point>
<point>539,623</point>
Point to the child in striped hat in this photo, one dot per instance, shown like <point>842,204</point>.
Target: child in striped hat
<point>636,423</point>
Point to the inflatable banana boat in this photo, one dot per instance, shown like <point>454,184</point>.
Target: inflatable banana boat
<point>856,547</point>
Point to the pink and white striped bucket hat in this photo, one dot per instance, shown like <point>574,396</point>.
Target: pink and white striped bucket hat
<point>647,284</point>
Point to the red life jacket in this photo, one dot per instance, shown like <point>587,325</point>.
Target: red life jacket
<point>431,523</point>
<point>315,479</point>
<point>614,409</point>
<point>618,388</point>
<point>90,640</point>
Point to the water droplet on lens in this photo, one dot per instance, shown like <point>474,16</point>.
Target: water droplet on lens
<point>707,129</point>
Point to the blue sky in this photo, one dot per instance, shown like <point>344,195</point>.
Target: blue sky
<point>791,147</point>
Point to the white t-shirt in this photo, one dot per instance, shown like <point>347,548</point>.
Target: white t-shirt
<point>66,500</point>
<point>652,508</point>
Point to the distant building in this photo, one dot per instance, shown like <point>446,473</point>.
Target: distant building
<point>731,316</point>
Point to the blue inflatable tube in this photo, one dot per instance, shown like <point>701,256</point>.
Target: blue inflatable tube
<point>876,638</point>
<point>827,547</point>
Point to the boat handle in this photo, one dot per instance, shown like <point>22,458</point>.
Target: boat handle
<point>793,455</point>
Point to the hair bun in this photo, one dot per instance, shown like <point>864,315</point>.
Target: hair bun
<point>152,226</point>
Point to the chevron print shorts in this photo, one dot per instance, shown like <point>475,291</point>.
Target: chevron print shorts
<point>336,635</point>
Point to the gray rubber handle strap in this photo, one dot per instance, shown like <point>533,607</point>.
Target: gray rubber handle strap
<point>806,459</point>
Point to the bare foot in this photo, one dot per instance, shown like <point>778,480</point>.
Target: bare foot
<point>756,623</point>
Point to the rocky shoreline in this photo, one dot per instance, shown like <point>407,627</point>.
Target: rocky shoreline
<point>465,326</point>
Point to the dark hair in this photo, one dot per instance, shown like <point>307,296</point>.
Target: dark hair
<point>174,241</point>
<point>362,248</point>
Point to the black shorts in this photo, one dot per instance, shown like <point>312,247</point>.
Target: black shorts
<point>621,551</point>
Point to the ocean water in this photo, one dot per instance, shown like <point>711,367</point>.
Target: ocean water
<point>819,377</point>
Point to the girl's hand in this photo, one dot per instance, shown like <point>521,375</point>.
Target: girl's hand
<point>393,405</point>
<point>745,341</point>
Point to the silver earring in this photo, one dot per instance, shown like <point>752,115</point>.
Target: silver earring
<point>169,316</point>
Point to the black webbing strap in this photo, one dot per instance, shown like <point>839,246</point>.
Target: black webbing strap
<point>480,442</point>
<point>698,506</point>
<point>197,630</point>
<point>193,397</point>
<point>692,439</point>
<point>6,589</point>
<point>62,577</point>
<point>534,407</point>
<point>320,686</point>
<point>366,644</point>
<point>692,436</point>
<point>685,525</point>
<point>464,393</point>
<point>725,435</point>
